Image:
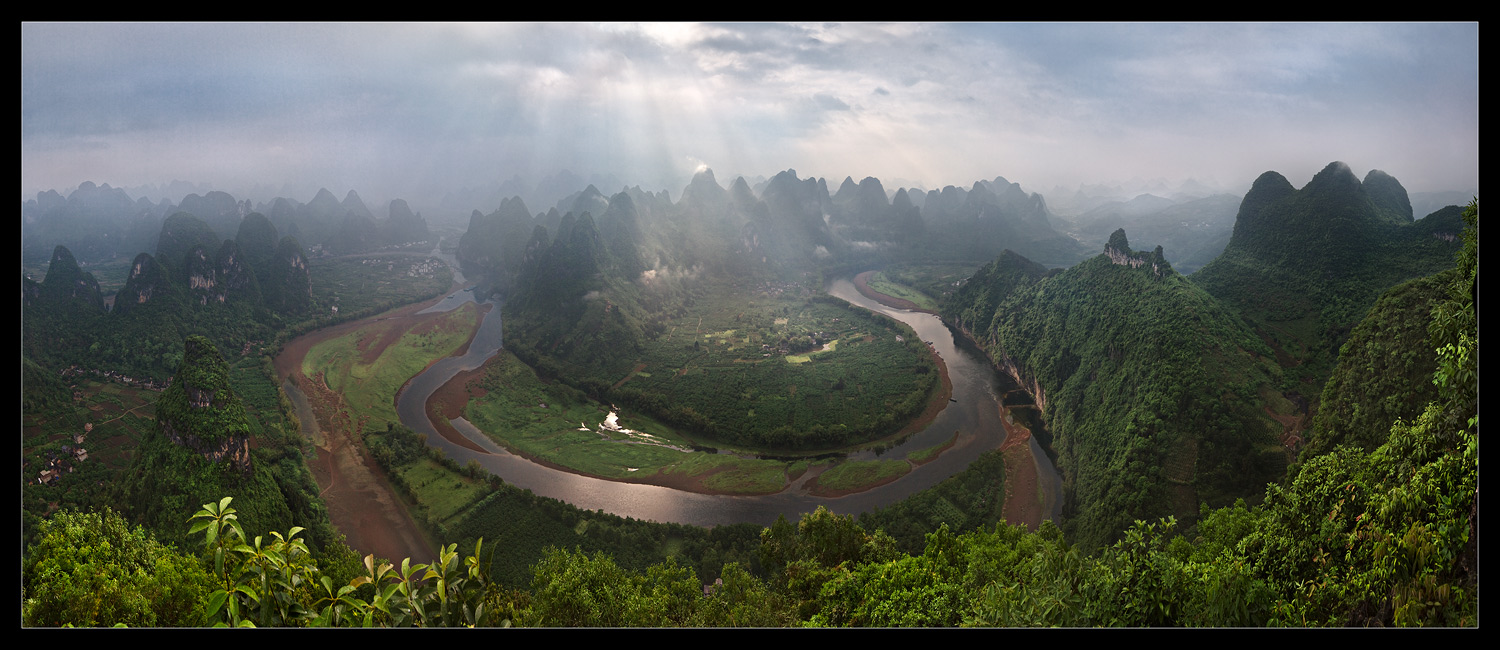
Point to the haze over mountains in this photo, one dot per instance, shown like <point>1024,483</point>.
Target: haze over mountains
<point>1188,371</point>
<point>1164,395</point>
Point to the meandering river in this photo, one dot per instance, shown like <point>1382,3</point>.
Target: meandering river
<point>975,414</point>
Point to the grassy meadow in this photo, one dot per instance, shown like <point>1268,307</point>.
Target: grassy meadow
<point>369,375</point>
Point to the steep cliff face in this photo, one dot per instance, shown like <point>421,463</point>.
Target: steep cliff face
<point>147,283</point>
<point>220,278</point>
<point>290,277</point>
<point>1119,253</point>
<point>994,350</point>
<point>202,278</point>
<point>236,278</point>
<point>200,411</point>
<point>1153,393</point>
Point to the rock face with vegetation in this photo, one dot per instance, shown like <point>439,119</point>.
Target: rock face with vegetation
<point>148,283</point>
<point>1159,398</point>
<point>1384,370</point>
<point>200,448</point>
<point>201,412</point>
<point>1152,391</point>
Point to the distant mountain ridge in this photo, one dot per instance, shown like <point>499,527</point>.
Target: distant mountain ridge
<point>98,222</point>
<point>194,281</point>
<point>1304,266</point>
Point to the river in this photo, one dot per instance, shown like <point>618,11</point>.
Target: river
<point>975,415</point>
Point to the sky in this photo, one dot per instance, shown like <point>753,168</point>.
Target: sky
<point>415,110</point>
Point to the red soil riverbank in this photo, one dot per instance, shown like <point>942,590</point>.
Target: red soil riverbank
<point>361,502</point>
<point>1022,485</point>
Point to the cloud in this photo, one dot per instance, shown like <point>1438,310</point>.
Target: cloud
<point>418,107</point>
<point>829,102</point>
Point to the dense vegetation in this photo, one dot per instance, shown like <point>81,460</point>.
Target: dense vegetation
<point>1379,531</point>
<point>808,371</point>
<point>1304,266</point>
<point>1384,370</point>
<point>1150,389</point>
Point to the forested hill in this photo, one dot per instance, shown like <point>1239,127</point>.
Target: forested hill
<point>1304,266</point>
<point>1154,393</point>
<point>781,231</point>
<point>1384,371</point>
<point>199,451</point>
<point>233,290</point>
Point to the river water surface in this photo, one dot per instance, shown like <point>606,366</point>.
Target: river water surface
<point>975,414</point>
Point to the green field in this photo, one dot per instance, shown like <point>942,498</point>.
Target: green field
<point>936,280</point>
<point>369,386</point>
<point>883,284</point>
<point>442,494</point>
<point>860,474</point>
<point>548,421</point>
<point>776,368</point>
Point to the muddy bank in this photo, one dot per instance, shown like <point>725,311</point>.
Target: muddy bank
<point>448,402</point>
<point>861,282</point>
<point>1023,503</point>
<point>361,502</point>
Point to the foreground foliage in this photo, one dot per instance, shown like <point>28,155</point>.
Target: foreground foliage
<point>1386,537</point>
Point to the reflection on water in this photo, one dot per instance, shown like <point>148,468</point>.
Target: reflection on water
<point>974,416</point>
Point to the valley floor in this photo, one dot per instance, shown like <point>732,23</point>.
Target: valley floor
<point>349,479</point>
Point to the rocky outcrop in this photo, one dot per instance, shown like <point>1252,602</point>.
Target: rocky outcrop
<point>148,281</point>
<point>200,411</point>
<point>1119,253</point>
<point>235,450</point>
<point>1008,365</point>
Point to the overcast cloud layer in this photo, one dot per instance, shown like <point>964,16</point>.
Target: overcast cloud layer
<point>411,110</point>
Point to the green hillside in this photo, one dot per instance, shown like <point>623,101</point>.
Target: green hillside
<point>1154,394</point>
<point>1304,266</point>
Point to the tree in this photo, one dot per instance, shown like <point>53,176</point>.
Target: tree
<point>93,569</point>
